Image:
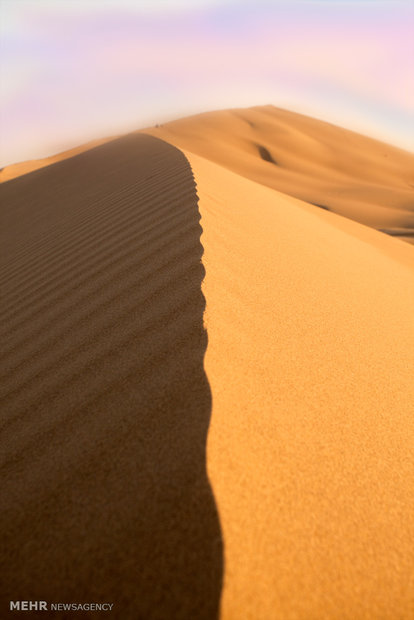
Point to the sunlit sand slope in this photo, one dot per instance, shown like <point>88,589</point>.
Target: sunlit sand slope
<point>311,444</point>
<point>328,166</point>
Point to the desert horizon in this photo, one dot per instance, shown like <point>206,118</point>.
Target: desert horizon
<point>398,222</point>
<point>12,169</point>
<point>206,324</point>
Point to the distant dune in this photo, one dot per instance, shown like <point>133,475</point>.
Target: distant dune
<point>206,381</point>
<point>327,166</point>
<point>17,170</point>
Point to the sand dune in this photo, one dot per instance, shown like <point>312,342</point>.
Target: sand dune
<point>17,170</point>
<point>206,386</point>
<point>327,166</point>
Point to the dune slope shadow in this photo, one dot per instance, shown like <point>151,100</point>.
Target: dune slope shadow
<point>106,405</point>
<point>265,154</point>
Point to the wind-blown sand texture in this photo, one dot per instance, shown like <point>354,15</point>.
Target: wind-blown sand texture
<point>105,400</point>
<point>207,393</point>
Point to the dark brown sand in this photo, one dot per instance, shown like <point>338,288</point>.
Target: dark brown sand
<point>105,403</point>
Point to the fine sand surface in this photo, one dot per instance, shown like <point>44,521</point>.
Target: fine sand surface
<point>206,384</point>
<point>311,443</point>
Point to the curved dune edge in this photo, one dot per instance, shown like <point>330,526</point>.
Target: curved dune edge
<point>311,441</point>
<point>105,405</point>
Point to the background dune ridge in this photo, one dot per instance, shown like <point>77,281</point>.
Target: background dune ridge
<point>328,166</point>
<point>16,170</point>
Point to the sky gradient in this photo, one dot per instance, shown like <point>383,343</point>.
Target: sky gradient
<point>75,70</point>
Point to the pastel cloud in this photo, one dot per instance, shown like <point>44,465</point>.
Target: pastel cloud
<point>73,70</point>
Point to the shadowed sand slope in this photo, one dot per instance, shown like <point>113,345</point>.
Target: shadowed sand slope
<point>328,166</point>
<point>105,402</point>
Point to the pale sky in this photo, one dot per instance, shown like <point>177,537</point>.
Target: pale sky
<point>72,70</point>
